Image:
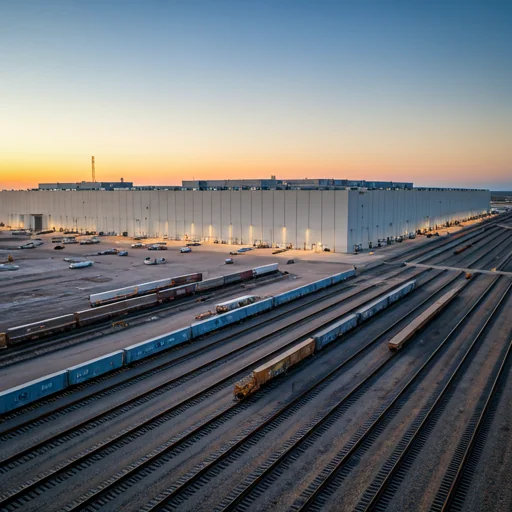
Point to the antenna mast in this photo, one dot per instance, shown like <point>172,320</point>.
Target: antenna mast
<point>93,171</point>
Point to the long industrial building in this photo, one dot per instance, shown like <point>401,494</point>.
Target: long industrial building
<point>306,219</point>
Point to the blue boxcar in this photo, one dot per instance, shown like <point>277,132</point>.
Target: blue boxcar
<point>155,345</point>
<point>19,396</point>
<point>324,337</point>
<point>400,292</point>
<point>217,322</point>
<point>290,295</point>
<point>259,307</point>
<point>337,278</point>
<point>372,309</point>
<point>212,324</point>
<point>323,283</point>
<point>90,369</point>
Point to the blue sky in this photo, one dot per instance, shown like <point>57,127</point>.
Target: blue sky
<point>162,91</point>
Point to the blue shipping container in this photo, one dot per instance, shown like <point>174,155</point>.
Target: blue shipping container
<point>94,367</point>
<point>324,337</point>
<point>19,396</point>
<point>155,345</point>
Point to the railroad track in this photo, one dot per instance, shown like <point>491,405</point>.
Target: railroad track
<point>69,467</point>
<point>464,235</point>
<point>194,352</point>
<point>475,448</point>
<point>418,252</point>
<point>386,483</point>
<point>447,497</point>
<point>478,246</point>
<point>476,238</point>
<point>27,350</point>
<point>243,497</point>
<point>186,485</point>
<point>507,240</point>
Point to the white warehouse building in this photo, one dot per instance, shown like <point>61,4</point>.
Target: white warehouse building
<point>307,219</point>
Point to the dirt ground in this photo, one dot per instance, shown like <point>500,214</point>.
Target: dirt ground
<point>45,287</point>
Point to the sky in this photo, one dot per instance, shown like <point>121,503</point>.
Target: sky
<point>165,90</point>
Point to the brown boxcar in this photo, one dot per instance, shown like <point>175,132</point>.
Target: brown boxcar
<point>178,291</point>
<point>189,278</point>
<point>246,275</point>
<point>282,362</point>
<point>273,368</point>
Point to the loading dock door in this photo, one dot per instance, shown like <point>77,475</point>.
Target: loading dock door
<point>38,222</point>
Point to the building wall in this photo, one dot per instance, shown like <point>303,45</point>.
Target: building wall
<point>378,214</point>
<point>308,219</point>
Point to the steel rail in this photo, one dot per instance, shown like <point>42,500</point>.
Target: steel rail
<point>354,443</point>
<point>197,397</point>
<point>486,255</point>
<point>335,290</point>
<point>165,500</point>
<point>468,230</point>
<point>381,484</point>
<point>189,355</point>
<point>25,350</point>
<point>445,497</point>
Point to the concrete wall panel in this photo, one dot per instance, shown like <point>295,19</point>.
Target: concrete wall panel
<point>337,219</point>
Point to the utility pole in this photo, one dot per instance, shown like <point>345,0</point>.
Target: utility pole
<point>93,171</point>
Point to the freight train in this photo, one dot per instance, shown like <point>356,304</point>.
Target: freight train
<point>280,364</point>
<point>19,396</point>
<point>109,309</point>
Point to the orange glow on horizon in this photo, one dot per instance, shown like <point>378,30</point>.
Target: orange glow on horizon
<point>28,172</point>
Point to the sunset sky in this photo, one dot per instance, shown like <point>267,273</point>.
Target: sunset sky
<point>165,90</point>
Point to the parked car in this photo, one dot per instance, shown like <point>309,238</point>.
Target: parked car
<point>233,253</point>
<point>58,247</point>
<point>86,241</point>
<point>108,251</point>
<point>245,249</point>
<point>156,247</point>
<point>193,244</point>
<point>138,245</point>
<point>154,261</point>
<point>28,245</point>
<point>229,261</point>
<point>8,266</point>
<point>185,249</point>
<point>122,253</point>
<point>81,264</point>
